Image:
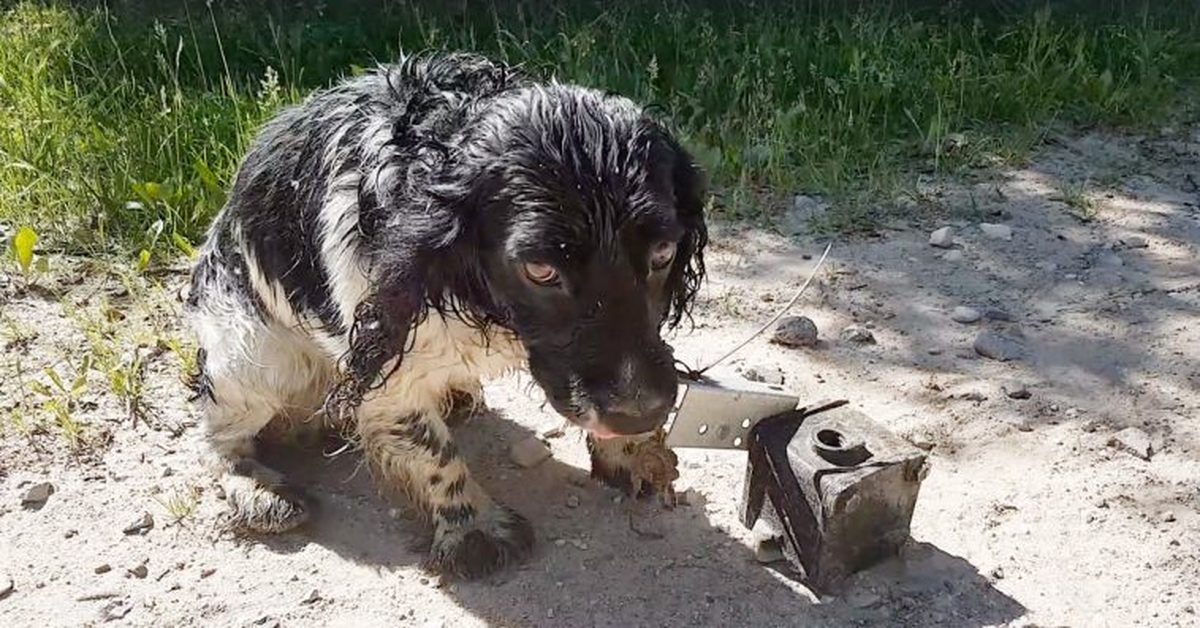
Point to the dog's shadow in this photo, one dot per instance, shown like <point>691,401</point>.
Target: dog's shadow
<point>602,560</point>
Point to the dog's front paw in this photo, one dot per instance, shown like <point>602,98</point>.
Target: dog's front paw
<point>481,544</point>
<point>639,465</point>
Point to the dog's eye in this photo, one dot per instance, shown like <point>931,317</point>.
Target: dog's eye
<point>541,274</point>
<point>662,254</point>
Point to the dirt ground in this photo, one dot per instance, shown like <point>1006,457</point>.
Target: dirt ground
<point>1032,513</point>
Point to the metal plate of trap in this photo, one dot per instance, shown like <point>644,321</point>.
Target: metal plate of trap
<point>718,411</point>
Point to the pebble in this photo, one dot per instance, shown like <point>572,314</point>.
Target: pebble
<point>1135,242</point>
<point>115,610</point>
<point>141,527</point>
<point>1110,260</point>
<point>572,501</point>
<point>1019,392</point>
<point>998,573</point>
<point>554,432</point>
<point>767,551</point>
<point>997,346</point>
<point>942,238</point>
<point>999,232</point>
<point>1133,440</point>
<point>1167,516</point>
<point>795,331</point>
<point>105,568</point>
<point>529,452</point>
<point>313,597</point>
<point>857,335</point>
<point>953,255</point>
<point>997,314</point>
<point>139,572</point>
<point>37,495</point>
<point>965,315</point>
<point>765,374</point>
<point>6,585</point>
<point>206,572</point>
<point>863,599</point>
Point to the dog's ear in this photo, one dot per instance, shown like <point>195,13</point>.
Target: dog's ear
<point>691,194</point>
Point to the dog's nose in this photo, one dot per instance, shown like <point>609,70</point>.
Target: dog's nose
<point>636,415</point>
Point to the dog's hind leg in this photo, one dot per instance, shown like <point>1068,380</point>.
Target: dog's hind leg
<point>251,370</point>
<point>410,446</point>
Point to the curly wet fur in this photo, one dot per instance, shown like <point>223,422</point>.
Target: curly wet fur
<point>370,262</point>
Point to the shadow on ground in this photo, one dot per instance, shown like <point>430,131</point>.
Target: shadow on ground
<point>591,568</point>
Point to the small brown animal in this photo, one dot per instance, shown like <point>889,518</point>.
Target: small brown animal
<point>656,465</point>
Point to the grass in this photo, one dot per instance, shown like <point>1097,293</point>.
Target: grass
<point>120,127</point>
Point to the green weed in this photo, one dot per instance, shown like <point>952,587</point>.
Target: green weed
<point>121,123</point>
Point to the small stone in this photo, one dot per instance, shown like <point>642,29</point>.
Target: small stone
<point>768,551</point>
<point>1018,392</point>
<point>206,572</point>
<point>104,568</point>
<point>942,238</point>
<point>70,533</point>
<point>167,472</point>
<point>554,432</point>
<point>1133,440</point>
<point>313,597</point>
<point>141,527</point>
<point>560,542</point>
<point>997,314</point>
<point>139,572</point>
<point>1110,260</point>
<point>863,599</point>
<point>115,610</point>
<point>998,232</point>
<point>1135,242</point>
<point>37,495</point>
<point>965,315</point>
<point>765,374</point>
<point>1167,516</point>
<point>857,335</point>
<point>934,351</point>
<point>998,573</point>
<point>6,585</point>
<point>572,501</point>
<point>953,256</point>
<point>529,452</point>
<point>795,331</point>
<point>994,345</point>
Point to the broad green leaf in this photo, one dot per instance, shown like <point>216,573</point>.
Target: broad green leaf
<point>23,244</point>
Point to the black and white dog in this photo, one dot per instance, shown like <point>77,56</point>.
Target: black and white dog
<point>398,237</point>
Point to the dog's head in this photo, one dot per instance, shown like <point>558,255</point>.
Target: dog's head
<point>587,221</point>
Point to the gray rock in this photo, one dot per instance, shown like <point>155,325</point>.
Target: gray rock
<point>115,610</point>
<point>6,585</point>
<point>140,572</point>
<point>1133,440</point>
<point>997,314</point>
<point>141,527</point>
<point>942,238</point>
<point>768,551</point>
<point>572,501</point>
<point>104,568</point>
<point>37,495</point>
<point>998,232</point>
<point>529,452</point>
<point>313,597</point>
<point>795,331</point>
<point>965,315</point>
<point>1135,242</point>
<point>954,255</point>
<point>857,335</point>
<point>1167,516</point>
<point>1018,392</point>
<point>998,346</point>
<point>766,374</point>
<point>1110,260</point>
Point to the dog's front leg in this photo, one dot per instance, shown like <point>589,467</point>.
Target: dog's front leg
<point>410,447</point>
